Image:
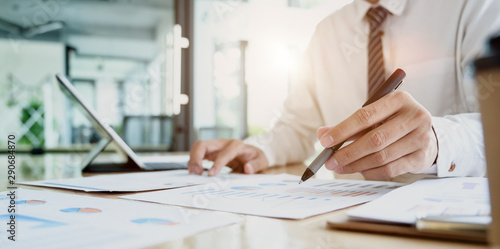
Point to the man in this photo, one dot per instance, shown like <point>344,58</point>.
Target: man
<point>430,125</point>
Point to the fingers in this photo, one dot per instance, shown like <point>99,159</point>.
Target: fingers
<point>395,168</point>
<point>233,153</point>
<point>376,140</point>
<point>322,130</point>
<point>203,150</point>
<point>226,155</point>
<point>237,155</point>
<point>400,139</point>
<point>256,165</point>
<point>365,118</point>
<point>196,156</point>
<point>405,146</point>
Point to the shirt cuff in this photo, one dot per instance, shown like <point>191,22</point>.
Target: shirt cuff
<point>449,148</point>
<point>262,142</point>
<point>431,171</point>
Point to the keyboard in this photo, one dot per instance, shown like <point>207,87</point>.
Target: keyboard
<point>163,165</point>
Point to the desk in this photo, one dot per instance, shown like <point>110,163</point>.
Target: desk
<point>253,232</point>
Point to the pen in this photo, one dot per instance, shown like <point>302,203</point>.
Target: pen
<point>391,84</point>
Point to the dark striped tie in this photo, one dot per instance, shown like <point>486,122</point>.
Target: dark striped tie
<point>376,73</point>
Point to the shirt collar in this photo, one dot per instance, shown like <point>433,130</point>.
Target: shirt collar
<point>396,7</point>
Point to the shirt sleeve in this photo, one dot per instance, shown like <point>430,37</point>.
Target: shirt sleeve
<point>460,143</point>
<point>292,138</point>
<point>460,136</point>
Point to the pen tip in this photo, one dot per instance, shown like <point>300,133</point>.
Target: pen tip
<point>301,181</point>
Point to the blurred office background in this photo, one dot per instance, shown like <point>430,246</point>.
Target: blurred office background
<point>162,73</point>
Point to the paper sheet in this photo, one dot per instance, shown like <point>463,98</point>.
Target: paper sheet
<point>133,182</point>
<point>430,197</point>
<point>273,196</point>
<point>46,219</point>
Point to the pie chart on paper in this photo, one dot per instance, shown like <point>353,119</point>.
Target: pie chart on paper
<point>81,210</point>
<point>30,202</point>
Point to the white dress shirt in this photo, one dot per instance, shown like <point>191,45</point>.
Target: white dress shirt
<point>433,41</point>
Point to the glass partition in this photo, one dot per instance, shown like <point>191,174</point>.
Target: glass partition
<point>118,55</point>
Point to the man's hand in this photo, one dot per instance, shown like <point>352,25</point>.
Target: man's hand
<point>395,136</point>
<point>233,153</point>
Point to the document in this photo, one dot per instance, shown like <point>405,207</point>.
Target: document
<point>463,196</point>
<point>273,195</point>
<point>133,182</point>
<point>46,219</point>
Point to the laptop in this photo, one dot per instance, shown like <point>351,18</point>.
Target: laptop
<point>108,135</point>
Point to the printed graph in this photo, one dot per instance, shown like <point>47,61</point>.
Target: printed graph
<point>30,202</point>
<point>245,188</point>
<point>357,185</point>
<point>332,192</point>
<point>273,196</point>
<point>32,222</point>
<point>286,189</point>
<point>81,210</point>
<point>469,185</point>
<point>153,221</point>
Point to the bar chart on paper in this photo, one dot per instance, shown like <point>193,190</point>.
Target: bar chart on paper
<point>464,196</point>
<point>273,196</point>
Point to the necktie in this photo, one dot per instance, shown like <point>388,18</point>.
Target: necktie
<point>376,73</point>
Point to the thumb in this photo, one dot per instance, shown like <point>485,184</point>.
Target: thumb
<point>255,165</point>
